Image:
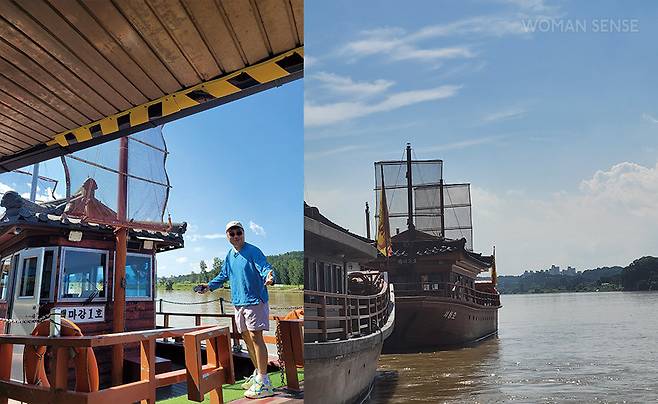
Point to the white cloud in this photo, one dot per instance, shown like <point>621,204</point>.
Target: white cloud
<point>337,150</point>
<point>346,86</point>
<point>182,260</point>
<point>463,144</point>
<point>257,229</point>
<point>195,236</point>
<point>505,114</point>
<point>396,44</point>
<point>610,220</point>
<point>327,114</point>
<point>530,5</point>
<point>310,61</point>
<point>649,118</point>
<point>5,188</point>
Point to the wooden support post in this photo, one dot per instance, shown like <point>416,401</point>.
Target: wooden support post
<point>289,354</point>
<point>193,366</point>
<point>59,368</point>
<point>6,351</point>
<point>369,319</point>
<point>324,317</point>
<point>212,352</point>
<point>119,307</point>
<point>346,320</point>
<point>147,368</point>
<point>166,324</point>
<point>225,357</point>
<point>358,315</point>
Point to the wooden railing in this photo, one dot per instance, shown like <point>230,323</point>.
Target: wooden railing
<point>291,333</point>
<point>331,316</point>
<point>197,322</point>
<point>448,290</point>
<point>200,378</point>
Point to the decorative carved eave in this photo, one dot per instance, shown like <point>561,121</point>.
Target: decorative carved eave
<point>84,205</point>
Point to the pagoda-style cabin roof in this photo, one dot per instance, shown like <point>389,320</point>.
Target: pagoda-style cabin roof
<point>81,212</point>
<point>430,249</point>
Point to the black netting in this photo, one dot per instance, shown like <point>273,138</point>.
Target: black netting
<point>148,184</point>
<point>20,181</point>
<point>426,180</point>
<point>147,153</point>
<point>96,162</point>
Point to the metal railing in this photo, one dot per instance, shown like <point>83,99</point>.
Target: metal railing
<point>200,378</point>
<point>448,290</point>
<point>330,316</point>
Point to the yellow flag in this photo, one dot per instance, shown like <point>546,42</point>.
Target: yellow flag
<point>494,276</point>
<point>383,229</point>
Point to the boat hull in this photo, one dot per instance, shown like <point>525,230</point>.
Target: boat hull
<point>425,322</point>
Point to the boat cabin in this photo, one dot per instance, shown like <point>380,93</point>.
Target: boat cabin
<point>330,253</point>
<point>61,254</point>
<point>424,262</point>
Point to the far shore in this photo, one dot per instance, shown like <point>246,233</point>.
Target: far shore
<point>271,289</point>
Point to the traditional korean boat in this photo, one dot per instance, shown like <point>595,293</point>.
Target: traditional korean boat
<point>440,301</point>
<point>349,312</point>
<point>90,270</point>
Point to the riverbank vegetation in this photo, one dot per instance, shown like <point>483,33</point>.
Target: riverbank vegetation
<point>641,274</point>
<point>289,268</point>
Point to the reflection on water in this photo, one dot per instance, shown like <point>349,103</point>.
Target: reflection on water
<point>577,347</point>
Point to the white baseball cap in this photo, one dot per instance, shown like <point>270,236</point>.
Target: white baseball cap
<point>234,223</point>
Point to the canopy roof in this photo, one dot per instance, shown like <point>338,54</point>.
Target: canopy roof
<point>76,73</point>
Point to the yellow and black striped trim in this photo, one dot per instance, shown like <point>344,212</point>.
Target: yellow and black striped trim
<point>278,67</point>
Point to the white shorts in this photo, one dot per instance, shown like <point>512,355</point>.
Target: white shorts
<point>252,318</point>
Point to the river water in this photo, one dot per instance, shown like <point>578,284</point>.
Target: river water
<point>568,347</point>
<point>191,302</point>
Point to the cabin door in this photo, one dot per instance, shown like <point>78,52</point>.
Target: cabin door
<point>27,288</point>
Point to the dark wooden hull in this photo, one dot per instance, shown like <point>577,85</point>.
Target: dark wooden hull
<point>426,322</point>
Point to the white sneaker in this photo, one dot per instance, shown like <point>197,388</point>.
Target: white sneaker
<point>260,389</point>
<point>249,381</point>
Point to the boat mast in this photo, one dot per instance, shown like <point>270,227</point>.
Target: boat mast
<point>442,207</point>
<point>367,221</point>
<point>119,308</point>
<point>35,179</point>
<point>410,216</point>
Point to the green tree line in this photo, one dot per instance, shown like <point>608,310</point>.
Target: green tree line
<point>289,269</point>
<point>641,274</point>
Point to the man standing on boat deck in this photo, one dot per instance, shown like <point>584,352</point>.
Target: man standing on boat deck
<point>249,272</point>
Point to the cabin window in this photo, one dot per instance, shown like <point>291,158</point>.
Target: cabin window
<point>28,277</point>
<point>313,277</point>
<point>83,274</point>
<point>321,282</point>
<point>5,268</point>
<point>138,276</point>
<point>47,274</point>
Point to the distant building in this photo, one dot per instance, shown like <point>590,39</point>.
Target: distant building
<point>555,270</point>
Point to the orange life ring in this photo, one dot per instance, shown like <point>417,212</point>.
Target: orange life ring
<point>86,370</point>
<point>295,315</point>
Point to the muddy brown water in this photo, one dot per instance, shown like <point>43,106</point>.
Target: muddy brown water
<point>552,348</point>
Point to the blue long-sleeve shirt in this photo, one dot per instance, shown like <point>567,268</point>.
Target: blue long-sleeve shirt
<point>247,271</point>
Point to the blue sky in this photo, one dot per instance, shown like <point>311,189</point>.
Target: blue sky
<point>240,161</point>
<point>556,128</point>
